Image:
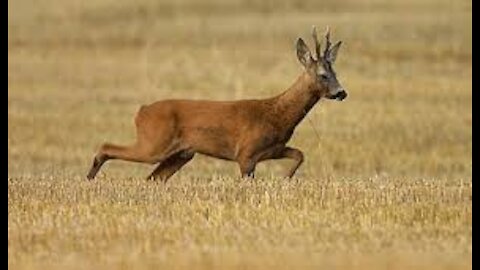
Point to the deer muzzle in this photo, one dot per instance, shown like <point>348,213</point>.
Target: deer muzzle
<point>340,95</point>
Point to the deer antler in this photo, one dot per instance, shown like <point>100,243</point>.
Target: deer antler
<point>328,43</point>
<point>318,45</point>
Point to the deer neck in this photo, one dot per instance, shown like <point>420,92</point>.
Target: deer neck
<point>294,104</point>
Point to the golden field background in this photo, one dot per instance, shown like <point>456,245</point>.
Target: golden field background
<point>388,185</point>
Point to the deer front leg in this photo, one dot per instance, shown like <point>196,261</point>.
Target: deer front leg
<point>279,152</point>
<point>247,166</point>
<point>296,155</point>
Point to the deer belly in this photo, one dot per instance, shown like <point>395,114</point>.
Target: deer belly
<point>213,142</point>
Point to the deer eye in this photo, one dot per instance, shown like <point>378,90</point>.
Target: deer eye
<point>324,76</point>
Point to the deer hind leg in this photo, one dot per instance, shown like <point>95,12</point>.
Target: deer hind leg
<point>156,140</point>
<point>98,161</point>
<point>129,153</point>
<point>170,166</point>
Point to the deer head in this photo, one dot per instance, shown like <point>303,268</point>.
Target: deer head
<point>321,67</point>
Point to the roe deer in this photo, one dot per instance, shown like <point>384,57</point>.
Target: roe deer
<point>170,132</point>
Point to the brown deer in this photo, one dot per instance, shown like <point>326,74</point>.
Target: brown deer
<point>171,132</point>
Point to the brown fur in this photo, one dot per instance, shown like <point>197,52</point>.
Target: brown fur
<point>170,132</point>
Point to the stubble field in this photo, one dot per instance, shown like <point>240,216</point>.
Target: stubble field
<point>386,184</point>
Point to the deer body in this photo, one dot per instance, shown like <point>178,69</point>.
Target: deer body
<point>171,132</point>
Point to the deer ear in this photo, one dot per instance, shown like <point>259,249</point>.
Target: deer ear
<point>332,53</point>
<point>303,54</point>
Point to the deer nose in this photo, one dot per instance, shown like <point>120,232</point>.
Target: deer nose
<point>342,95</point>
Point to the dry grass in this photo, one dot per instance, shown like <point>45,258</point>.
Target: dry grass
<point>387,186</point>
<point>223,223</point>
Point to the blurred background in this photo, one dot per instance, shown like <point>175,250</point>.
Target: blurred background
<point>79,70</point>
<point>386,184</point>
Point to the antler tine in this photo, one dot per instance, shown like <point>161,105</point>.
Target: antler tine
<point>328,43</point>
<point>318,45</point>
